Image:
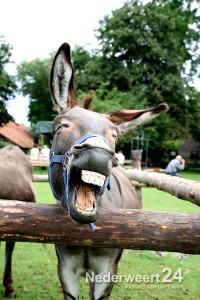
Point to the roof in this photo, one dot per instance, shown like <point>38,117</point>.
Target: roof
<point>43,127</point>
<point>18,134</point>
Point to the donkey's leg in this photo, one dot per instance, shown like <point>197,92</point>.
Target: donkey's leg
<point>69,271</point>
<point>106,262</point>
<point>7,278</point>
<point>101,290</point>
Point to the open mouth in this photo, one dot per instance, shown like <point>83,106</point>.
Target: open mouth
<point>88,186</point>
<point>86,192</point>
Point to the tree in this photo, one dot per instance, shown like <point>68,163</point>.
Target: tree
<point>147,56</point>
<point>194,122</point>
<point>7,82</point>
<point>34,78</point>
<point>146,49</point>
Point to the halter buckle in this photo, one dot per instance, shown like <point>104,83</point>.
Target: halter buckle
<point>65,160</point>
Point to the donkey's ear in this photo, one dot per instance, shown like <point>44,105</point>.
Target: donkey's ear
<point>130,119</point>
<point>61,80</point>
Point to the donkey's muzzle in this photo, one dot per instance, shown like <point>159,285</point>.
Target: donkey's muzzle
<point>94,158</point>
<point>89,167</point>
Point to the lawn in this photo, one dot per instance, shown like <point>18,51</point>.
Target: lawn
<point>35,265</point>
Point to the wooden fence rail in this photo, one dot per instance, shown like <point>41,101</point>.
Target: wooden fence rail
<point>40,178</point>
<point>131,229</point>
<point>181,188</point>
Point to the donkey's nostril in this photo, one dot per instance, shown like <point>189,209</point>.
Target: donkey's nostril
<point>78,147</point>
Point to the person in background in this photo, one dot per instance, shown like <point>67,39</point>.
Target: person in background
<point>44,153</point>
<point>175,165</point>
<point>121,158</point>
<point>34,153</point>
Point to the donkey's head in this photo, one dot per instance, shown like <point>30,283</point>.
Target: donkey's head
<point>83,148</point>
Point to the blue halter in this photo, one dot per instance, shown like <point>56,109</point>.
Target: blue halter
<point>56,158</point>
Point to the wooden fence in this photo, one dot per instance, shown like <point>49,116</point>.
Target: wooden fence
<point>131,229</point>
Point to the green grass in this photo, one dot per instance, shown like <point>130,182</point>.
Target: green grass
<point>35,265</point>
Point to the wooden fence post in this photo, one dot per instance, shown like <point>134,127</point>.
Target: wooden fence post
<point>137,162</point>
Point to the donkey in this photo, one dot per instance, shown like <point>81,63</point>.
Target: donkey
<point>84,175</point>
<point>16,184</point>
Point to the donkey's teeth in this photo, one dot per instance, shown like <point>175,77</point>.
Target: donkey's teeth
<point>92,177</point>
<point>102,181</point>
<point>85,178</point>
<point>98,181</point>
<point>86,212</point>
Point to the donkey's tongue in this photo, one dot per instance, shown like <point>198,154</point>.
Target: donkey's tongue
<point>85,193</point>
<point>84,197</point>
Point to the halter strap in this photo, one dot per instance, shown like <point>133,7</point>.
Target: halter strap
<point>61,158</point>
<point>57,158</point>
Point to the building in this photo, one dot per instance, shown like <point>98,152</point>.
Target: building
<point>17,134</point>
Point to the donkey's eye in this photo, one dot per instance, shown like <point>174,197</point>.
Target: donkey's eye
<point>114,134</point>
<point>61,126</point>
